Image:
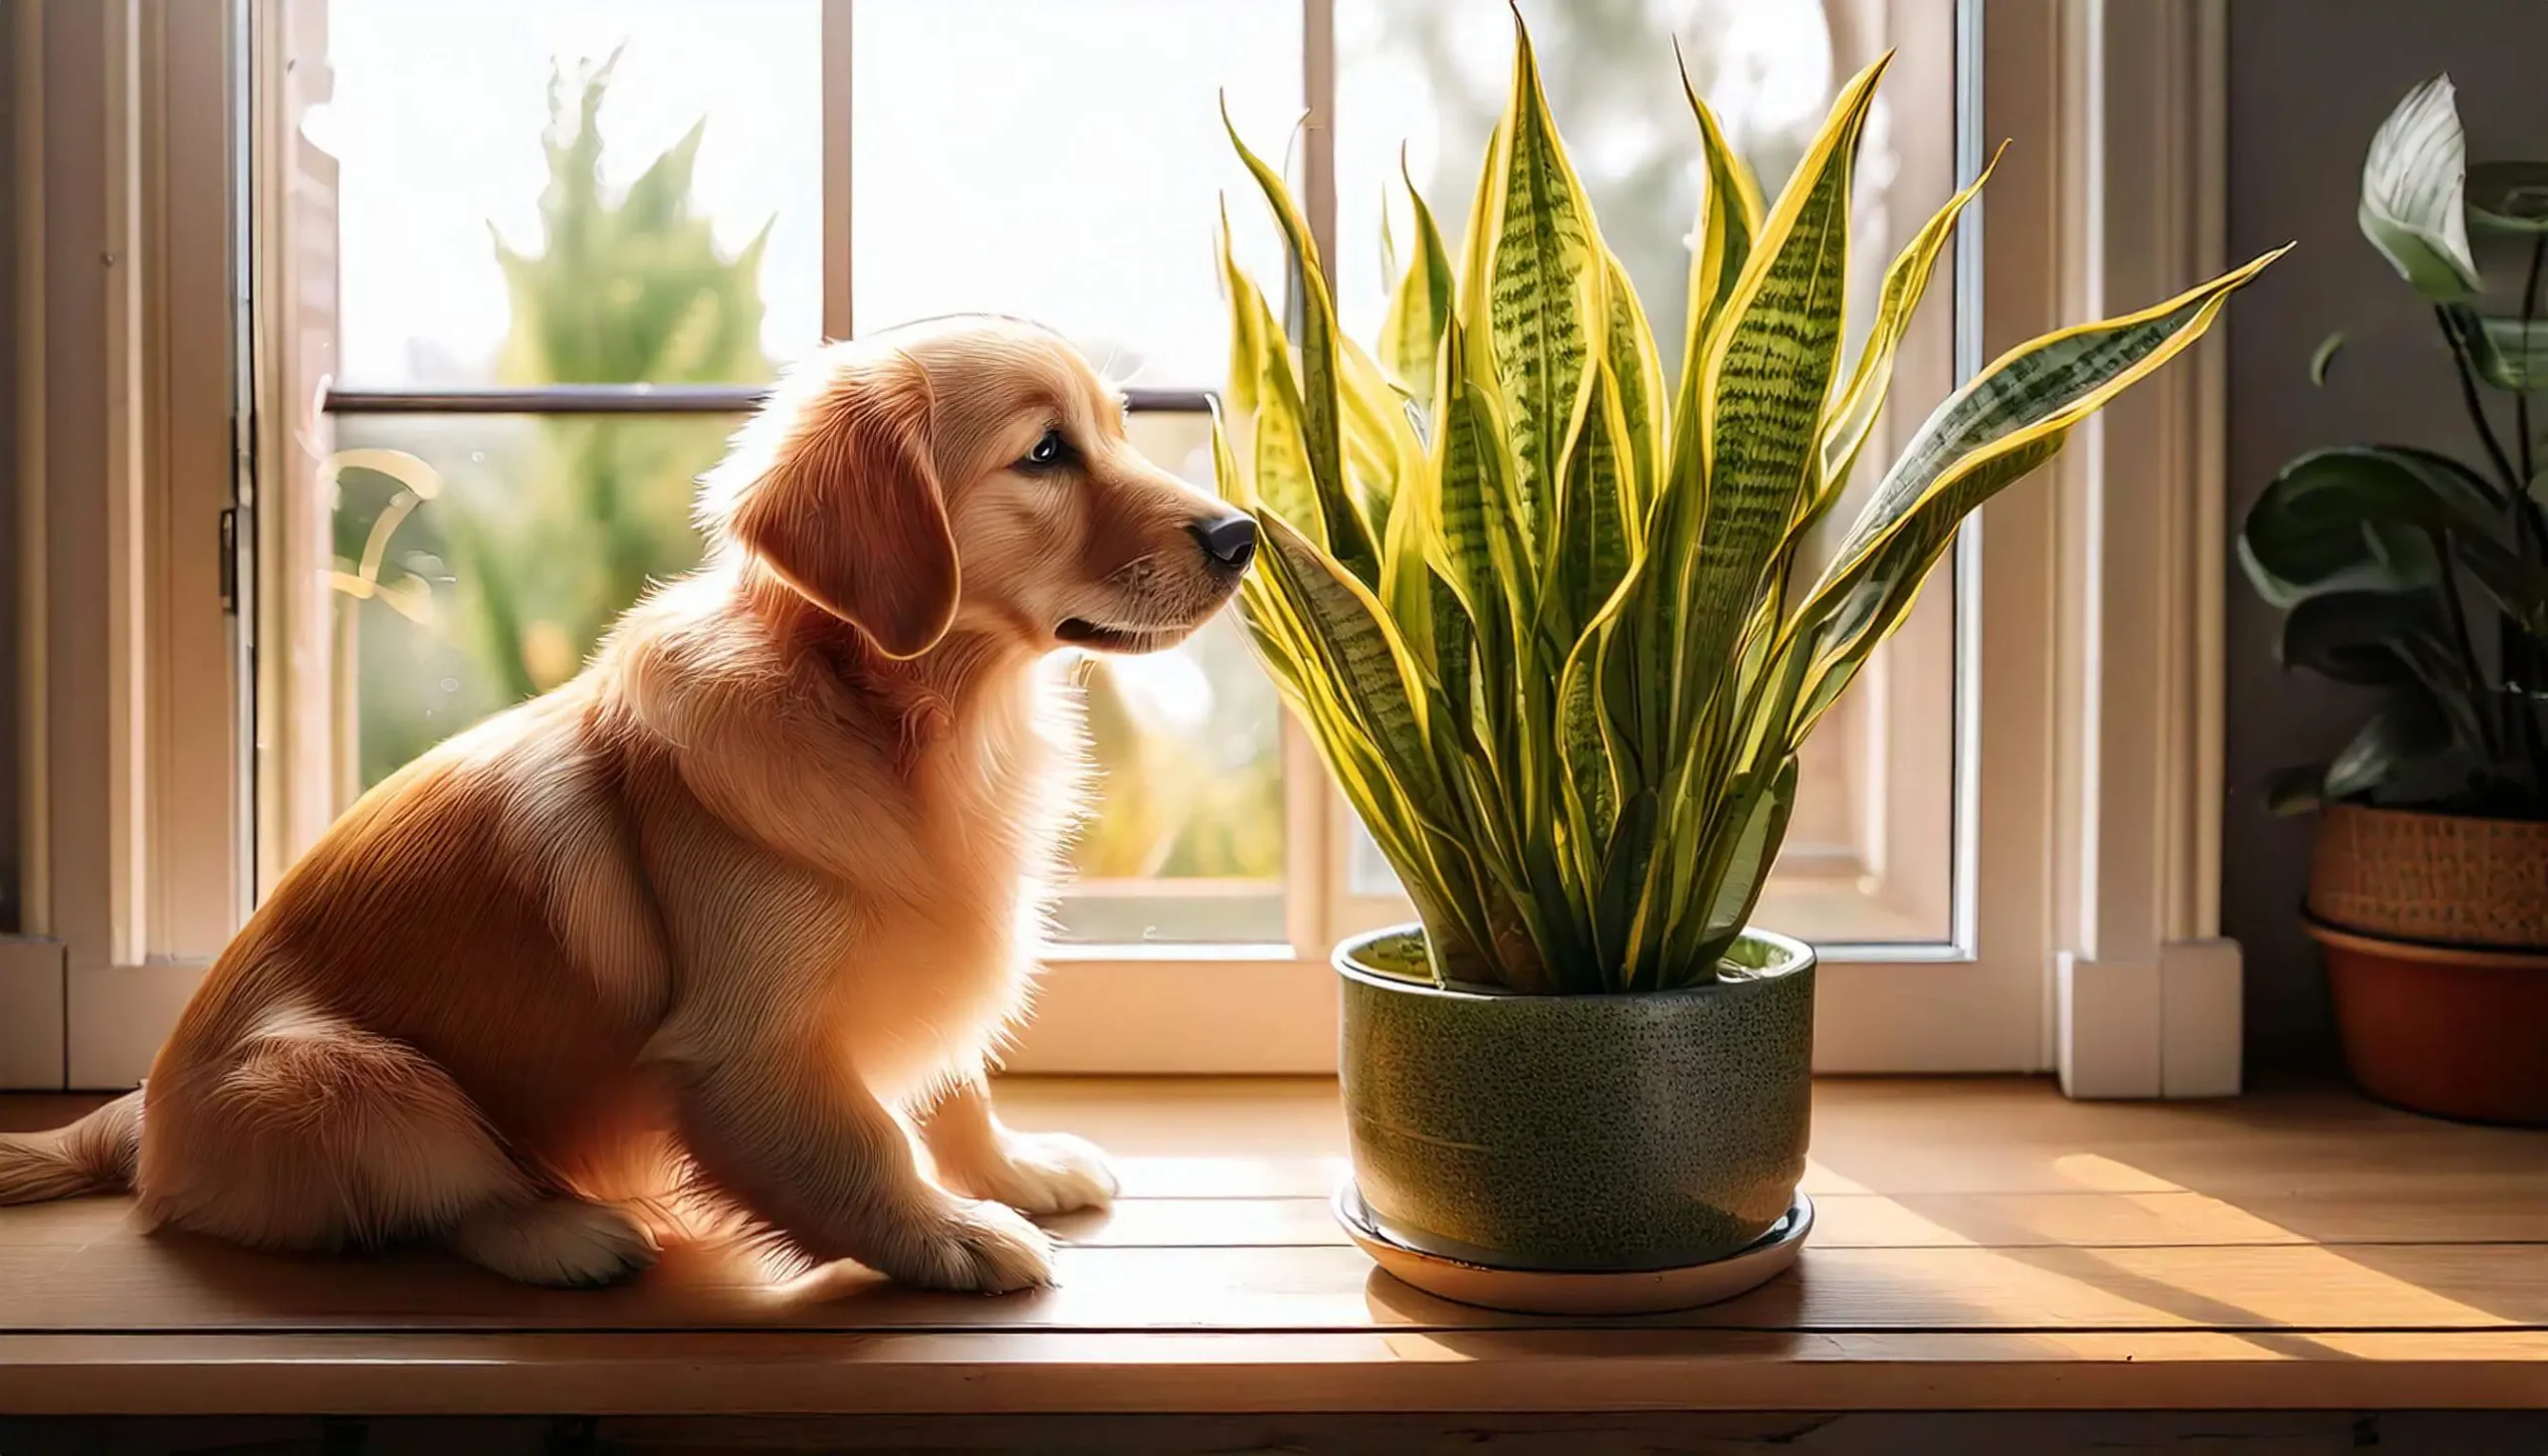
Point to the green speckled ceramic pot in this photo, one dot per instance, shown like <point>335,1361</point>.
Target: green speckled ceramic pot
<point>1576,1133</point>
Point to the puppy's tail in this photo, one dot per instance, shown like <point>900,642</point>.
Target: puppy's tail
<point>95,1155</point>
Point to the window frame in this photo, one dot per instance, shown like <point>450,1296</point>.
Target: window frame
<point>2087,635</point>
<point>1880,1007</point>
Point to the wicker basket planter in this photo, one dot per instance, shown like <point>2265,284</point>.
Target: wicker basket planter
<point>2434,930</point>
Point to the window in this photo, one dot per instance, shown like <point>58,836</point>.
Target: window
<point>2009,851</point>
<point>1419,85</point>
<point>535,318</point>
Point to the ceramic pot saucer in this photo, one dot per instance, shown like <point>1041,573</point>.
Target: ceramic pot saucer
<point>1548,1292</point>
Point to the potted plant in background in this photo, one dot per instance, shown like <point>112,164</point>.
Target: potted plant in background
<point>2424,578</point>
<point>1557,633</point>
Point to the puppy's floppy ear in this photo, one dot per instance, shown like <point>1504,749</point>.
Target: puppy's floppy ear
<point>850,510</point>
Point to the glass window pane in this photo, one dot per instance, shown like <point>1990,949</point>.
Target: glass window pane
<point>1868,855</point>
<point>1072,179</point>
<point>537,533</point>
<point>1433,78</point>
<point>437,117</point>
<point>1185,842</point>
<point>1061,162</point>
<point>531,534</point>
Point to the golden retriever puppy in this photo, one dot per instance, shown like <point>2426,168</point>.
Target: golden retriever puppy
<point>738,905</point>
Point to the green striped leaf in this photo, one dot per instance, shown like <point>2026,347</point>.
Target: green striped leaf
<point>1905,280</point>
<point>1994,431</point>
<point>1588,556</point>
<point>1638,371</point>
<point>1284,480</point>
<point>1380,444</point>
<point>1226,476</point>
<point>1542,278</point>
<point>1729,222</point>
<point>1482,539</point>
<point>1731,884</point>
<point>1250,323</point>
<point>1268,401</point>
<point>1729,219</point>
<point>1592,787</point>
<point>1419,307</point>
<point>1359,650</point>
<point>1767,376</point>
<point>1350,533</point>
<point>2041,387</point>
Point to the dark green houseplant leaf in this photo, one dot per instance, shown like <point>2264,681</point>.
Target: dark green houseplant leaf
<point>2509,197</point>
<point>2509,353</point>
<point>2366,638</point>
<point>2409,727</point>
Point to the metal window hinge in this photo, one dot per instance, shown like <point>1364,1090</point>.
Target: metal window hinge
<point>230,560</point>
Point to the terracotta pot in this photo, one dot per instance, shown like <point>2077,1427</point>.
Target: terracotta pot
<point>2434,930</point>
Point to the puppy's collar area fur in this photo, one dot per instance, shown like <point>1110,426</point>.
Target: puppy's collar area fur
<point>919,697</point>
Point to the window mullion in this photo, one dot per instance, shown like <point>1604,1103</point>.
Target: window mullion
<point>838,319</point>
<point>1315,817</point>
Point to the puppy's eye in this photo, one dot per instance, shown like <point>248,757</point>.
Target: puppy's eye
<point>1050,453</point>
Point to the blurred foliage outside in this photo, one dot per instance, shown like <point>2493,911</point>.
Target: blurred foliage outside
<point>539,532</point>
<point>480,558</point>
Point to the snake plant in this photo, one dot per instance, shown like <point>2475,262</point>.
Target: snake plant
<point>1543,615</point>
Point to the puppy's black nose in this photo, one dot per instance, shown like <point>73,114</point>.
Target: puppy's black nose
<point>1230,541</point>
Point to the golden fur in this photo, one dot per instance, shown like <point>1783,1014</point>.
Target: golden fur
<point>733,908</point>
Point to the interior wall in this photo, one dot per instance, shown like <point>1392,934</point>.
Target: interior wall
<point>2309,82</point>
<point>9,213</point>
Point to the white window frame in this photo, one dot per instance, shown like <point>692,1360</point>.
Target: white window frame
<point>2086,630</point>
<point>126,734</point>
<point>2086,646</point>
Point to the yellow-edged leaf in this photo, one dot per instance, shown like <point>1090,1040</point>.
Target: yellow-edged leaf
<point>1359,650</point>
<point>1729,883</point>
<point>1249,323</point>
<point>1994,431</point>
<point>1381,445</point>
<point>1729,219</point>
<point>1768,375</point>
<point>1904,280</point>
<point>1350,533</point>
<point>1543,282</point>
<point>1638,370</point>
<point>1419,306</point>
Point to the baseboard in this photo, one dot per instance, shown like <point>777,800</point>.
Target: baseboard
<point>31,1030</point>
<point>118,1016</point>
<point>2203,1018</point>
<point>2137,1029</point>
<point>2107,1027</point>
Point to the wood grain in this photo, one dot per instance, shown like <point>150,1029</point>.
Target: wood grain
<point>1483,1371</point>
<point>1981,1243</point>
<point>123,1282</point>
<point>1934,1220</point>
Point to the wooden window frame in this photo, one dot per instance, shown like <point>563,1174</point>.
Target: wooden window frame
<point>2086,635</point>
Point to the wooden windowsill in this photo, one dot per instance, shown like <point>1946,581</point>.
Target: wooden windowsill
<point>1981,1244</point>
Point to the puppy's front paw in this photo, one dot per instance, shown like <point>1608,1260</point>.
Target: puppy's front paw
<point>1044,1172</point>
<point>981,1248</point>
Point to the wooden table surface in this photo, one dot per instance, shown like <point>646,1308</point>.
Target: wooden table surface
<point>1981,1244</point>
